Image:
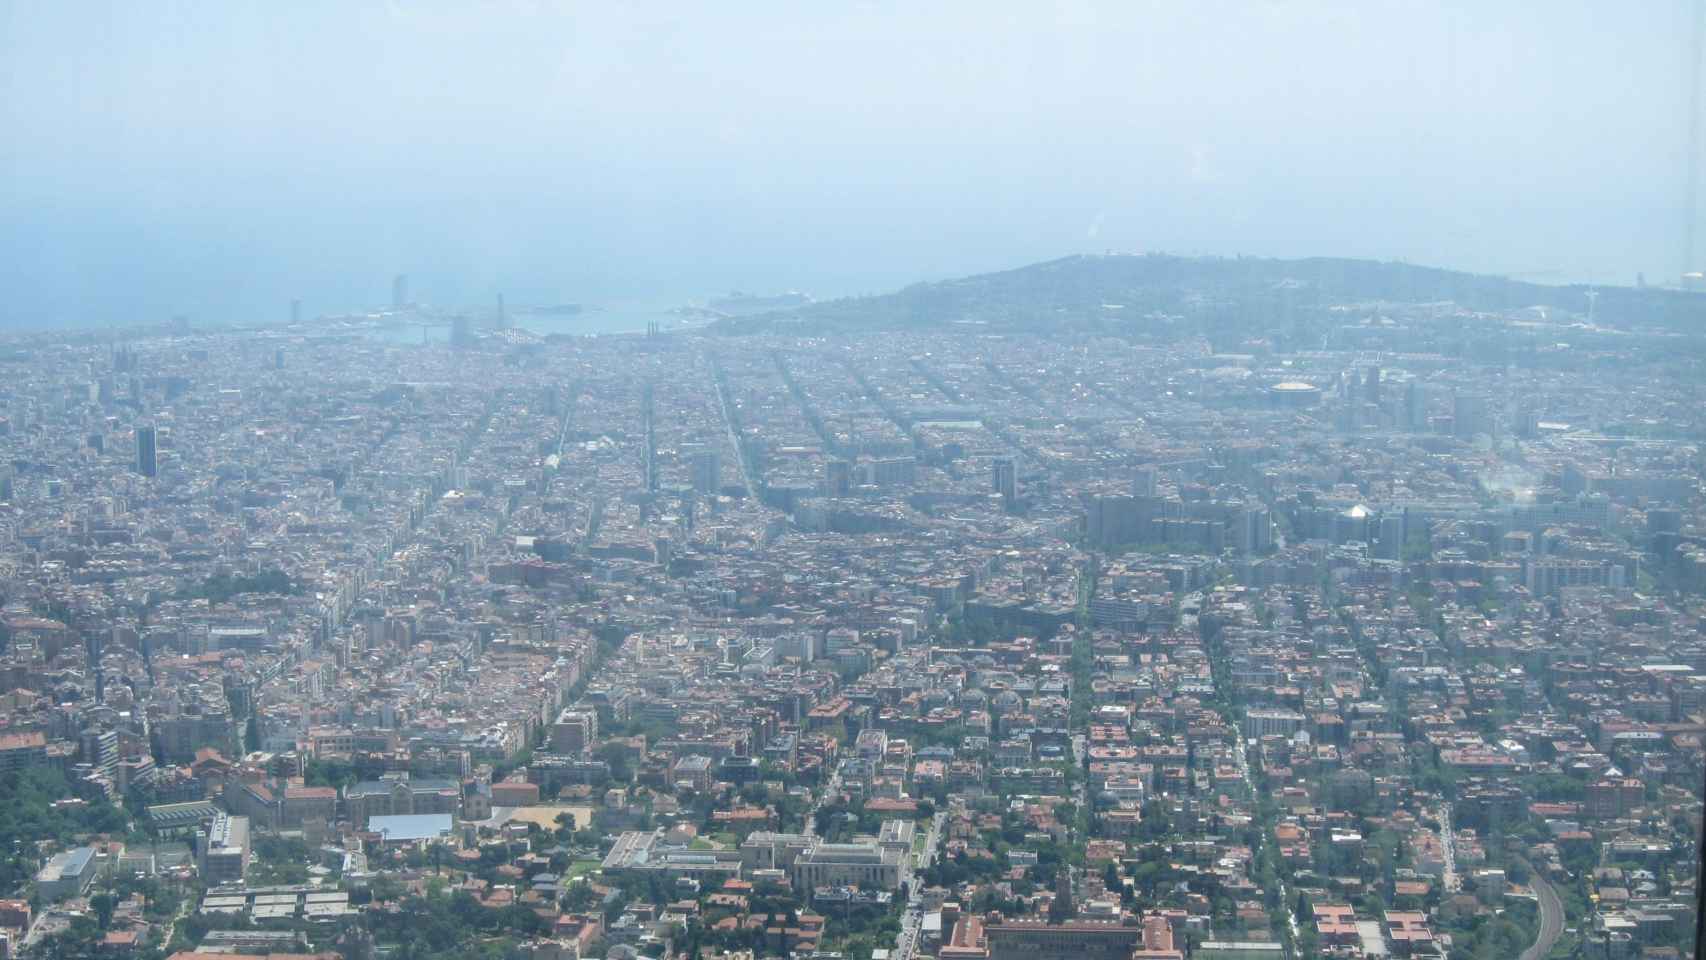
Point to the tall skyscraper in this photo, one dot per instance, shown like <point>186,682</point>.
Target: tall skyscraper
<point>399,291</point>
<point>1255,529</point>
<point>1415,405</point>
<point>837,478</point>
<point>1471,414</point>
<point>295,312</point>
<point>707,472</point>
<point>1004,477</point>
<point>1391,543</point>
<point>1144,482</point>
<point>94,645</point>
<point>147,456</point>
<point>503,315</point>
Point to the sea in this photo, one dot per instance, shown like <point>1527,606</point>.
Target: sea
<point>602,319</point>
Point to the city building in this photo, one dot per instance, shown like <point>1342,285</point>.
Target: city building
<point>147,452</point>
<point>67,874</point>
<point>222,850</point>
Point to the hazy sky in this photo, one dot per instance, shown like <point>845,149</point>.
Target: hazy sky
<point>216,159</point>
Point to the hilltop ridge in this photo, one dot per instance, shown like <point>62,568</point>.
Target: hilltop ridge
<point>1097,289</point>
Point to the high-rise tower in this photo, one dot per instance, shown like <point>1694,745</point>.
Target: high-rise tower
<point>147,455</point>
<point>707,471</point>
<point>1004,477</point>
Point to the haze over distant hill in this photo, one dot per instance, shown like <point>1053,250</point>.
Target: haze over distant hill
<point>1083,290</point>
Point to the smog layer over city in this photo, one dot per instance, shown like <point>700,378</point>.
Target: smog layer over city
<point>1095,481</point>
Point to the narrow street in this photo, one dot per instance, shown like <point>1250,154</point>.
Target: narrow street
<point>1450,880</point>
<point>1551,925</point>
<point>912,922</point>
<point>1285,897</point>
<point>1241,752</point>
<point>831,787</point>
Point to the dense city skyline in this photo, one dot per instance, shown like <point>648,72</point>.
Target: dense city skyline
<point>1096,480</point>
<point>1129,606</point>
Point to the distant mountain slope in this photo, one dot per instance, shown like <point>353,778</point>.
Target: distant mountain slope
<point>1084,289</point>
